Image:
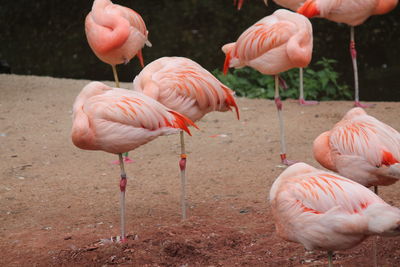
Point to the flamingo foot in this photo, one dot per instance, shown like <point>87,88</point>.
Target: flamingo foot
<point>286,161</point>
<point>358,104</point>
<point>303,102</point>
<point>126,160</point>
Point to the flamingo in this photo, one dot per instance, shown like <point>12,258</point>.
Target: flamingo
<point>272,45</point>
<point>325,211</point>
<point>293,5</point>
<point>353,13</point>
<point>116,34</point>
<point>117,120</point>
<point>361,148</point>
<point>186,87</point>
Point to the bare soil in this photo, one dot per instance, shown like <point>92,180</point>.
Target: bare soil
<point>57,201</point>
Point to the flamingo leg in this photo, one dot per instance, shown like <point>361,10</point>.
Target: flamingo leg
<point>330,254</point>
<point>353,53</point>
<point>182,166</point>
<point>301,85</point>
<point>278,104</point>
<point>126,158</point>
<point>375,240</point>
<point>122,187</point>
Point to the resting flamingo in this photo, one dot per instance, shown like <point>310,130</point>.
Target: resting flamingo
<point>116,34</point>
<point>293,5</point>
<point>325,211</point>
<point>351,12</point>
<point>117,120</point>
<point>273,45</point>
<point>361,148</point>
<point>186,87</point>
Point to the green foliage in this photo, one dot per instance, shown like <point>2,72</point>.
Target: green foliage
<point>320,83</point>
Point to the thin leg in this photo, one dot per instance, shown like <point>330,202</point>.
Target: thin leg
<point>330,254</point>
<point>114,68</point>
<point>278,104</point>
<point>182,165</point>
<point>353,53</point>
<point>301,86</point>
<point>122,187</point>
<point>375,240</point>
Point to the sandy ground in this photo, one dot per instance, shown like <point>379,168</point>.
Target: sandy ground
<point>57,201</point>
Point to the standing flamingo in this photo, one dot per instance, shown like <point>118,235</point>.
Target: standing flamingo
<point>116,34</point>
<point>361,148</point>
<point>351,12</point>
<point>325,211</point>
<point>272,45</point>
<point>293,5</point>
<point>184,86</point>
<point>117,120</point>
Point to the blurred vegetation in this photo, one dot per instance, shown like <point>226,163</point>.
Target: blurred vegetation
<point>47,37</point>
<point>320,81</point>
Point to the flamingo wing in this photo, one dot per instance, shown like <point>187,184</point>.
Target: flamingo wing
<point>262,37</point>
<point>369,138</point>
<point>319,192</point>
<point>193,82</point>
<point>134,109</point>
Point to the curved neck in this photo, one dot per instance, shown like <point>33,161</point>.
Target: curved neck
<point>322,151</point>
<point>299,50</point>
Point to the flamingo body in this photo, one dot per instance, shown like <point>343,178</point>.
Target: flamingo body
<point>272,45</point>
<point>326,211</point>
<point>361,148</point>
<point>118,120</point>
<point>184,86</point>
<point>351,12</point>
<point>115,33</point>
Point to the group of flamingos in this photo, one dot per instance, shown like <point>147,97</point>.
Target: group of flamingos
<point>319,209</point>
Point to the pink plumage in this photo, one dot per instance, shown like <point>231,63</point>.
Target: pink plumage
<point>351,12</point>
<point>184,86</point>
<point>326,211</point>
<point>118,120</point>
<point>361,148</point>
<point>115,33</point>
<point>272,45</point>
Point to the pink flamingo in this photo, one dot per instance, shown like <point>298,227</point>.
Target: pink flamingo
<point>293,5</point>
<point>361,148</point>
<point>325,211</point>
<point>116,34</point>
<point>272,45</point>
<point>184,86</point>
<point>117,120</point>
<point>351,12</point>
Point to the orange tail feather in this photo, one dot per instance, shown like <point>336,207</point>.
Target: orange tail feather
<point>388,158</point>
<point>230,101</point>
<point>308,9</point>
<point>227,62</point>
<point>140,56</point>
<point>182,122</point>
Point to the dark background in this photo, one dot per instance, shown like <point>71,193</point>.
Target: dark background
<point>47,38</point>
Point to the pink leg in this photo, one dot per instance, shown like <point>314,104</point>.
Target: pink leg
<point>122,187</point>
<point>182,166</point>
<point>353,53</point>
<point>278,104</point>
<point>301,98</point>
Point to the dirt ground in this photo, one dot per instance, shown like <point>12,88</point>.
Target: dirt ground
<point>57,201</point>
